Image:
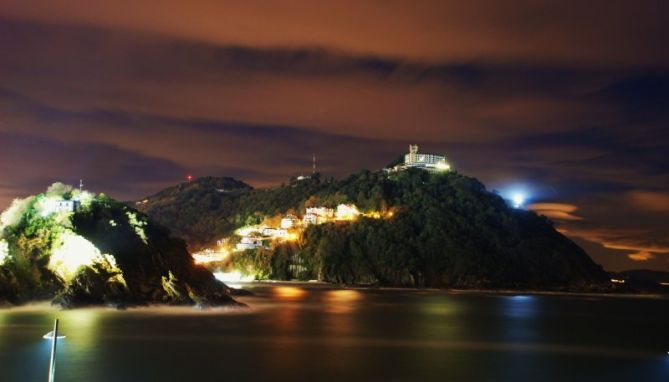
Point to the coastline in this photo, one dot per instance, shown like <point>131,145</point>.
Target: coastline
<point>477,291</point>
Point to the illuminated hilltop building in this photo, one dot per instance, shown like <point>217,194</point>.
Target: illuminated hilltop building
<point>64,206</point>
<point>428,162</point>
<point>67,205</point>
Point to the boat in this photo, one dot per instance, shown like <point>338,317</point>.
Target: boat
<point>49,336</point>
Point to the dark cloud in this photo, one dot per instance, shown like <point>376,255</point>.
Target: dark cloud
<point>597,32</point>
<point>105,168</point>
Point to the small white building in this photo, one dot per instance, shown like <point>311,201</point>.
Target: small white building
<point>249,242</point>
<point>321,211</point>
<point>310,218</point>
<point>289,221</point>
<point>275,232</point>
<point>65,205</point>
<point>346,212</point>
<point>322,214</point>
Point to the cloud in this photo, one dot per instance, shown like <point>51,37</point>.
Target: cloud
<point>641,256</point>
<point>30,164</point>
<point>451,30</point>
<point>559,211</point>
<point>649,200</point>
<point>634,242</point>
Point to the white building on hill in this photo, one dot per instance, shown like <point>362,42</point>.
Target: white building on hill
<point>429,162</point>
<point>347,212</point>
<point>318,215</point>
<point>289,221</point>
<point>310,218</point>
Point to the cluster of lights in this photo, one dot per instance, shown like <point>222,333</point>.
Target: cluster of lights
<point>252,237</point>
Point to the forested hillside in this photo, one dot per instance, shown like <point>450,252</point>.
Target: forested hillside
<point>446,230</point>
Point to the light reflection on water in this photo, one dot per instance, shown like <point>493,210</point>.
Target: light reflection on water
<point>303,332</point>
<point>342,301</point>
<point>289,293</point>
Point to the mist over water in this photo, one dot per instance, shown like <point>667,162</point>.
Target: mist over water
<point>296,332</point>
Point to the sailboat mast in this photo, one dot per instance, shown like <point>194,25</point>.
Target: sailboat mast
<point>52,364</point>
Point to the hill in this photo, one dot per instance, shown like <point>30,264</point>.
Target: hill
<point>446,230</point>
<point>197,211</point>
<point>79,249</point>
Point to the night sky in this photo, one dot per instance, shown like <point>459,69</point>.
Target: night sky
<point>566,101</point>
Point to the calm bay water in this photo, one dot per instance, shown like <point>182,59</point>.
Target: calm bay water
<point>305,332</point>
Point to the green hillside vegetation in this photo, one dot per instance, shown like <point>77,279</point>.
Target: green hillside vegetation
<point>104,252</point>
<point>447,230</point>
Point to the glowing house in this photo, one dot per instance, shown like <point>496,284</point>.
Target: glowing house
<point>289,221</point>
<point>318,215</point>
<point>346,212</point>
<point>57,206</point>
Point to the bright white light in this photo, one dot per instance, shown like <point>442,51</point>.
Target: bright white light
<point>518,200</point>
<point>235,276</point>
<point>73,252</point>
<point>347,212</point>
